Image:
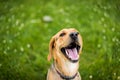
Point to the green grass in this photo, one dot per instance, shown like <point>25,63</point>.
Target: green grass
<point>24,36</point>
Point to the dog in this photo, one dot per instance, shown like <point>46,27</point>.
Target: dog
<point>64,48</point>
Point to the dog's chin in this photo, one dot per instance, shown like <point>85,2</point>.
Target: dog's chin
<point>71,52</point>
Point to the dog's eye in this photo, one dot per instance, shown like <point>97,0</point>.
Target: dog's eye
<point>77,33</point>
<point>62,34</point>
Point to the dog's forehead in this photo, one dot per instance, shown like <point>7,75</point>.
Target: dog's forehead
<point>68,30</point>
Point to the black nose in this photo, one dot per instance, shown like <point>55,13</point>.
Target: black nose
<point>74,35</point>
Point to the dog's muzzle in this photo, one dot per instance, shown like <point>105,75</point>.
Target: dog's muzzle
<point>71,51</point>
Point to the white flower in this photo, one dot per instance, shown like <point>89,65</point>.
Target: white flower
<point>118,77</point>
<point>28,45</point>
<point>47,19</point>
<point>22,49</point>
<point>90,76</point>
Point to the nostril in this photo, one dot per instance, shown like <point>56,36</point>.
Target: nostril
<point>74,35</point>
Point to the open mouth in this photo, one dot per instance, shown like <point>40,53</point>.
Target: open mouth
<point>71,52</point>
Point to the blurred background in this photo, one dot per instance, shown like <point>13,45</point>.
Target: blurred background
<point>26,27</point>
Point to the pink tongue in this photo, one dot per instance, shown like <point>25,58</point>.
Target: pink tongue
<point>72,53</point>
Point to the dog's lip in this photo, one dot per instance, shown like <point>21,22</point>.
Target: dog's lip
<point>71,52</point>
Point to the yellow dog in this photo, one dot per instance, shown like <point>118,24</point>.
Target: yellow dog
<point>65,48</point>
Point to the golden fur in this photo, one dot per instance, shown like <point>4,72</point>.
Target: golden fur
<point>61,63</point>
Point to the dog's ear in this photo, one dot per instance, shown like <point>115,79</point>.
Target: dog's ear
<point>51,47</point>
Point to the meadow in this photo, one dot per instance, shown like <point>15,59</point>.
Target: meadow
<point>25,35</point>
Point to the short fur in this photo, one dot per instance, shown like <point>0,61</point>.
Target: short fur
<point>61,63</point>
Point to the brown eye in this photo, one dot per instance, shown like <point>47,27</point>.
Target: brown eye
<point>77,33</point>
<point>62,34</point>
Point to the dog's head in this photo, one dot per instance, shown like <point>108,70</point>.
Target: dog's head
<point>66,44</point>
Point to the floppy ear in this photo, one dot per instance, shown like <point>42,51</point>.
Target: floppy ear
<point>51,47</point>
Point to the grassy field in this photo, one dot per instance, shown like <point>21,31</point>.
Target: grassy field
<point>25,35</point>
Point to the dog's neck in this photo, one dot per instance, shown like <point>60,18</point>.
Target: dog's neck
<point>67,68</point>
<point>66,77</point>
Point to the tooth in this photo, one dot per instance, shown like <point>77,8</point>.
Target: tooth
<point>66,52</point>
